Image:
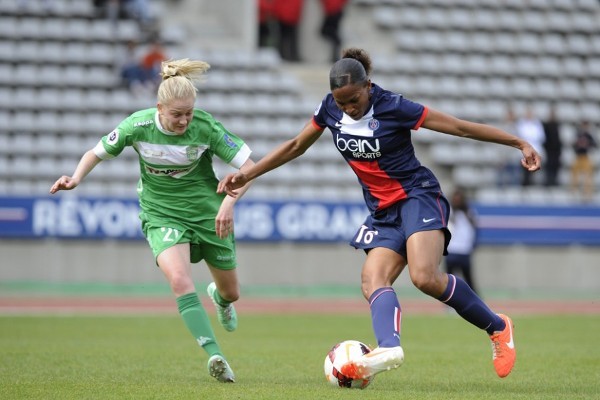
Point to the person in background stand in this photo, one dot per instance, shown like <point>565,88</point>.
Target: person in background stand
<point>583,167</point>
<point>509,173</point>
<point>288,14</point>
<point>264,12</point>
<point>330,29</point>
<point>463,227</point>
<point>530,129</point>
<point>151,61</point>
<point>553,148</point>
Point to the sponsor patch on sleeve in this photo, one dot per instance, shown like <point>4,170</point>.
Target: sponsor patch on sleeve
<point>228,141</point>
<point>113,137</point>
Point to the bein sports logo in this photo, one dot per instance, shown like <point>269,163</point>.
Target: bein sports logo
<point>360,148</point>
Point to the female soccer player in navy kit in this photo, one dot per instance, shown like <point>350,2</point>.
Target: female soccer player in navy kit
<point>408,218</point>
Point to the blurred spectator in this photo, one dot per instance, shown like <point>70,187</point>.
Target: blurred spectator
<point>266,24</point>
<point>583,167</point>
<point>151,61</point>
<point>531,129</point>
<point>330,29</point>
<point>553,148</point>
<point>509,168</point>
<point>288,14</point>
<point>114,10</point>
<point>463,227</point>
<point>279,26</point>
<point>138,69</point>
<point>130,69</point>
<point>138,10</point>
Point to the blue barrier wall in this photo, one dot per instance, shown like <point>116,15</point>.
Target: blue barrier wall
<point>70,216</point>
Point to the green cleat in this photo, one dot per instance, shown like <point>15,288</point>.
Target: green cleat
<point>226,315</point>
<point>219,369</point>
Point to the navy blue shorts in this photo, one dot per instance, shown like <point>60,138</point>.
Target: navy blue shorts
<point>392,226</point>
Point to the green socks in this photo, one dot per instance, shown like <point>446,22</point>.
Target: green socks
<point>197,322</point>
<point>221,301</point>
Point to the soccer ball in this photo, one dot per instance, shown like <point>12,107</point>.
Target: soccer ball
<point>338,356</point>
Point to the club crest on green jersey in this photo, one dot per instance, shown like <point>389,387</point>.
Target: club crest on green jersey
<point>191,153</point>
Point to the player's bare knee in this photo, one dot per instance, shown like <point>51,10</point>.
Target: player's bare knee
<point>368,285</point>
<point>427,283</point>
<point>181,284</point>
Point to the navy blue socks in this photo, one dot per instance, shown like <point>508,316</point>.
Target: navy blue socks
<point>468,305</point>
<point>386,317</point>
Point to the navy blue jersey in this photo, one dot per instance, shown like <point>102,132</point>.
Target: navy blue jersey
<point>378,147</point>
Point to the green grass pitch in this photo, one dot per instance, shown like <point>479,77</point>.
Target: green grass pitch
<point>281,357</point>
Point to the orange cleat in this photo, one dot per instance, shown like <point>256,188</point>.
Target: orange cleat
<point>379,360</point>
<point>503,347</point>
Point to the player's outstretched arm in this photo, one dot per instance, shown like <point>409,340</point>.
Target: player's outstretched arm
<point>448,124</point>
<point>282,154</point>
<point>86,164</point>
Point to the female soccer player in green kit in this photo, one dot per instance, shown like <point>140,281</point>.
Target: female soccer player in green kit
<point>183,218</point>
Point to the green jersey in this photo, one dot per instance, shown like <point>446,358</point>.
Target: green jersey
<point>177,180</point>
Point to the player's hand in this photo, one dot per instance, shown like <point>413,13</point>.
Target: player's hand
<point>232,182</point>
<point>63,183</point>
<point>224,220</point>
<point>531,160</point>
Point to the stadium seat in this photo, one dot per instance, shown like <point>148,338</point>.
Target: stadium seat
<point>585,22</point>
<point>75,53</point>
<point>127,30</point>
<point>98,100</point>
<point>484,19</point>
<point>21,187</point>
<point>549,66</point>
<point>574,67</point>
<point>534,21</point>
<point>546,88</point>
<point>559,21</point>
<point>28,51</point>
<point>46,144</point>
<point>590,111</point>
<point>48,121</point>
<point>29,28</point>
<point>554,44</point>
<point>24,98</point>
<point>579,44</point>
<point>54,29</point>
<point>474,87</point>
<point>591,90</point>
<point>474,65</point>
<point>21,121</point>
<point>522,88</point>
<point>8,28</point>
<point>51,52</point>
<point>570,89</point>
<point>8,51</point>
<point>73,100</point>
<point>498,87</point>
<point>49,76</point>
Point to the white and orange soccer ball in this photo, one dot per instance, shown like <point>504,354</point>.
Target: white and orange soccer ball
<point>338,356</point>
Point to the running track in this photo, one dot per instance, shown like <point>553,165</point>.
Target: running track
<point>166,305</point>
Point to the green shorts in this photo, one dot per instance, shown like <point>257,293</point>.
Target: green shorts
<point>204,243</point>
